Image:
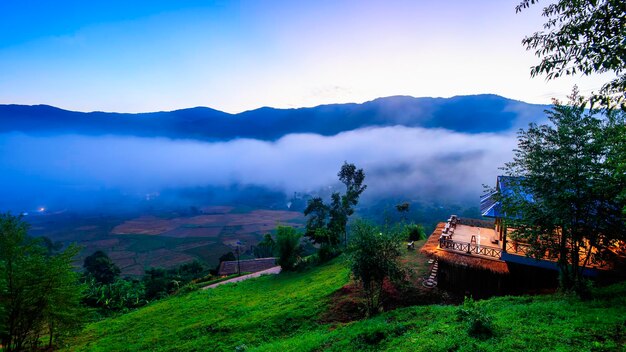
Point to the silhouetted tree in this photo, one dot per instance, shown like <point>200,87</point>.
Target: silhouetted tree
<point>101,268</point>
<point>326,224</point>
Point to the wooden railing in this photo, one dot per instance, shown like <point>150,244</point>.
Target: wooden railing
<point>470,248</point>
<point>518,248</point>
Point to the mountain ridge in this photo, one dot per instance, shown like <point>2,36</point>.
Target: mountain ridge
<point>457,113</point>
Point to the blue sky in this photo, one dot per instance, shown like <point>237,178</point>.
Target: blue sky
<point>135,56</point>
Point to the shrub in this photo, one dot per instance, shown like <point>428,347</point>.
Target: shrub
<point>373,256</point>
<point>327,252</point>
<point>479,323</point>
<point>288,245</point>
<point>414,232</point>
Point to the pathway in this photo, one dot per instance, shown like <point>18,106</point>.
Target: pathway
<point>270,271</point>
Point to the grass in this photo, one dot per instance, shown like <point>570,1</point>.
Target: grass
<point>252,312</point>
<point>282,313</point>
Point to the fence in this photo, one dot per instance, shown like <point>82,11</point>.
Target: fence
<point>470,248</point>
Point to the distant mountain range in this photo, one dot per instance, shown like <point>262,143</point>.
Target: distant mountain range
<point>467,114</point>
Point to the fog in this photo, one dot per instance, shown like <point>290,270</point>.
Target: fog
<point>412,163</point>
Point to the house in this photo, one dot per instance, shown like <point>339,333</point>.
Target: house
<point>245,266</point>
<point>478,256</point>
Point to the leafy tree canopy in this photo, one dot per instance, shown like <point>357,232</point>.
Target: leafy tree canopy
<point>373,256</point>
<point>326,223</point>
<point>582,37</point>
<point>568,169</point>
<point>101,268</point>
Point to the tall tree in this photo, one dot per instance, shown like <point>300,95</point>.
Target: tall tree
<point>327,224</point>
<point>565,200</point>
<point>40,292</point>
<point>582,37</point>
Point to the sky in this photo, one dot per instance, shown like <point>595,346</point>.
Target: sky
<point>140,56</point>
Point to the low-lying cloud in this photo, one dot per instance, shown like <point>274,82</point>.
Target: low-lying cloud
<point>398,161</point>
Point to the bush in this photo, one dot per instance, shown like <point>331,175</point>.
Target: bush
<point>479,324</point>
<point>288,245</point>
<point>414,232</point>
<point>373,256</point>
<point>327,252</point>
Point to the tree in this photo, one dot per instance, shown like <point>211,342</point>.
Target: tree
<point>101,268</point>
<point>403,209</point>
<point>288,247</point>
<point>265,248</point>
<point>413,232</point>
<point>565,199</point>
<point>582,37</point>
<point>39,292</point>
<point>326,224</point>
<point>373,256</point>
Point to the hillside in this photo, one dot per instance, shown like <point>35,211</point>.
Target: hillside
<point>282,313</point>
<point>468,114</point>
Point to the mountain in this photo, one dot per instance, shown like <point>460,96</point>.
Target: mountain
<point>468,114</point>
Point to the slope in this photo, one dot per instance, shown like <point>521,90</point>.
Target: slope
<point>281,313</point>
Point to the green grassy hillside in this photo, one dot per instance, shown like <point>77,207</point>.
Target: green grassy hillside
<point>282,313</point>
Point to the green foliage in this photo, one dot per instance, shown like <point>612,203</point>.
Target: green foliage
<point>479,324</point>
<point>282,313</point>
<point>373,257</point>
<point>288,247</point>
<point>568,168</point>
<point>582,37</point>
<point>39,291</point>
<point>251,312</point>
<point>265,248</point>
<point>326,223</point>
<point>119,296</point>
<point>413,232</point>
<point>101,268</point>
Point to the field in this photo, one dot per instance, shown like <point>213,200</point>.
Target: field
<point>285,313</point>
<point>164,240</point>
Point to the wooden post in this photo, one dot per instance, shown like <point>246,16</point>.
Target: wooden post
<point>503,239</point>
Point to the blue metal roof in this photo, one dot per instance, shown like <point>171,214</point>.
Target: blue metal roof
<point>490,207</point>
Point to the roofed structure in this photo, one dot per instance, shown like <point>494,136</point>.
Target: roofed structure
<point>247,266</point>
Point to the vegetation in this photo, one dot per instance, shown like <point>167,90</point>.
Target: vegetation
<point>39,291</point>
<point>265,248</point>
<point>248,313</point>
<point>582,37</point>
<point>101,268</point>
<point>288,247</point>
<point>566,197</point>
<point>327,223</point>
<point>413,232</point>
<point>112,294</point>
<point>373,257</point>
<point>283,312</point>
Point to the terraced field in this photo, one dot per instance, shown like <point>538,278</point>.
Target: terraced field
<point>165,240</point>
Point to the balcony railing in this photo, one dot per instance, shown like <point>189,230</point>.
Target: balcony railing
<point>469,248</point>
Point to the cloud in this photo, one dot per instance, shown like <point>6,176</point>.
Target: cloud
<point>398,161</point>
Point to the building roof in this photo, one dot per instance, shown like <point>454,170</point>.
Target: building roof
<point>491,207</point>
<point>247,266</point>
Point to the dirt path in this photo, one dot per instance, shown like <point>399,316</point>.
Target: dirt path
<point>270,271</point>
